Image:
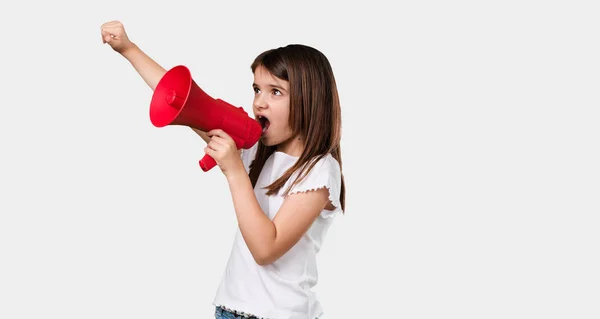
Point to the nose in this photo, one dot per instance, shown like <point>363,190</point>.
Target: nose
<point>259,102</point>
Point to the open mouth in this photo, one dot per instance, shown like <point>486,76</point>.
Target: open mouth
<point>264,123</point>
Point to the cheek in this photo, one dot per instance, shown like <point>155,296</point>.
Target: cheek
<point>284,118</point>
<point>284,124</point>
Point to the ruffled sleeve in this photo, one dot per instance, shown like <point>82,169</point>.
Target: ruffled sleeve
<point>325,174</point>
<point>248,156</point>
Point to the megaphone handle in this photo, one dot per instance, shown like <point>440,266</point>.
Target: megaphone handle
<point>207,163</point>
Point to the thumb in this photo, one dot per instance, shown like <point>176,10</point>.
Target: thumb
<point>108,38</point>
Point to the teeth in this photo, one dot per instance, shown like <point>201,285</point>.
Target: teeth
<point>262,123</point>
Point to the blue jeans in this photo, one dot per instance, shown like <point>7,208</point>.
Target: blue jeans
<point>221,313</point>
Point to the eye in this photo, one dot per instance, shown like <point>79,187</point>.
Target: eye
<point>256,90</point>
<point>276,92</point>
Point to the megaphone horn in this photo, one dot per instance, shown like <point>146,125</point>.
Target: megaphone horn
<point>178,100</point>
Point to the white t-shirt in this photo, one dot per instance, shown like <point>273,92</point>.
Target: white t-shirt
<point>284,288</point>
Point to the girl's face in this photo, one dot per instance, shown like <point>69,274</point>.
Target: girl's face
<point>271,108</point>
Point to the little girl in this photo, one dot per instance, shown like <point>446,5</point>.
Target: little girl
<point>285,189</point>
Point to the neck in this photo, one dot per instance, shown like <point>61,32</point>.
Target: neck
<point>293,146</point>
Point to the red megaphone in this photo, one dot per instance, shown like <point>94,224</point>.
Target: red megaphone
<point>177,100</point>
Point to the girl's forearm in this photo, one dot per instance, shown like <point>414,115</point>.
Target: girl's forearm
<point>258,230</point>
<point>147,68</point>
<point>151,72</point>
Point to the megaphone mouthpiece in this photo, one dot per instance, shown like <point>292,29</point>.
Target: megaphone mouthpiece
<point>174,100</point>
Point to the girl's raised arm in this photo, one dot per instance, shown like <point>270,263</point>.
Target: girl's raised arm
<point>114,34</point>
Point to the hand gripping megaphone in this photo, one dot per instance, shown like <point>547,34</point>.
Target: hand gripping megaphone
<point>177,100</point>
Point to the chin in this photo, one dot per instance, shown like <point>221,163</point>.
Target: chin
<point>270,140</point>
<point>266,142</point>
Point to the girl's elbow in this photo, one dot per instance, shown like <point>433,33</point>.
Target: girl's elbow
<point>262,261</point>
<point>264,257</point>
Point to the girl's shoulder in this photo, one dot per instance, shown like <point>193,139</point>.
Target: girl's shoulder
<point>325,173</point>
<point>325,165</point>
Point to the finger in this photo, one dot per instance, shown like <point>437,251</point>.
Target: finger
<point>115,32</point>
<point>217,132</point>
<point>219,139</point>
<point>107,36</point>
<point>225,143</point>
<point>116,23</point>
<point>112,24</point>
<point>210,152</point>
<point>221,136</point>
<point>215,145</point>
<point>112,28</point>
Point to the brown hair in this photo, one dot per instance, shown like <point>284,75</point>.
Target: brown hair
<point>314,111</point>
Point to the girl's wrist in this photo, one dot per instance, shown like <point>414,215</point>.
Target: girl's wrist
<point>236,173</point>
<point>129,51</point>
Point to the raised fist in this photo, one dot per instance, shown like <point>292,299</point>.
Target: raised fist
<point>113,33</point>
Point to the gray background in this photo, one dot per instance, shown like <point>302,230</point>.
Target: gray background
<point>470,151</point>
